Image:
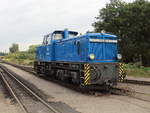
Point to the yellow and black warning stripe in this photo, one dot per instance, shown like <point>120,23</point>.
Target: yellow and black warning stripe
<point>86,74</point>
<point>122,72</point>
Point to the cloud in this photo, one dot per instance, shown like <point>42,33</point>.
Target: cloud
<point>26,21</point>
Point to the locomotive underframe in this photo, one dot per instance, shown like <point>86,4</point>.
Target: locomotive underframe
<point>81,73</point>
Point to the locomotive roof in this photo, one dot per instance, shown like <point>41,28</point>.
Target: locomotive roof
<point>89,34</point>
<point>70,32</point>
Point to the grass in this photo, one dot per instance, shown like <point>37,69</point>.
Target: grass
<point>136,71</point>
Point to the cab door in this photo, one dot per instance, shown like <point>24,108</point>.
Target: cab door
<point>48,48</point>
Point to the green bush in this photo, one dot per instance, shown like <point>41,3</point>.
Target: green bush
<point>137,71</point>
<point>22,57</point>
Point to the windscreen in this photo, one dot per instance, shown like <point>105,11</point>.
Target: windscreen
<point>72,35</point>
<point>57,36</point>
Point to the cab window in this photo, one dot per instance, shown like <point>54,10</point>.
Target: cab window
<point>57,36</point>
<point>49,39</point>
<point>72,35</point>
<point>45,41</point>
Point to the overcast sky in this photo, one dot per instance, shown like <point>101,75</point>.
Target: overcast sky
<point>26,21</point>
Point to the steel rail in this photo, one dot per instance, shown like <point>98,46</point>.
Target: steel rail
<point>13,93</point>
<point>136,82</point>
<point>148,94</point>
<point>30,91</point>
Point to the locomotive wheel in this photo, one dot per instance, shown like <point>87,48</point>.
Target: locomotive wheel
<point>61,75</point>
<point>74,78</point>
<point>37,71</point>
<point>58,74</point>
<point>95,73</point>
<point>62,78</point>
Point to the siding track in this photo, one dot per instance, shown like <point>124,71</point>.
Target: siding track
<point>28,100</point>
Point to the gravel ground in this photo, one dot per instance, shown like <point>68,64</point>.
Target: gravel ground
<point>136,87</point>
<point>6,105</point>
<point>87,103</point>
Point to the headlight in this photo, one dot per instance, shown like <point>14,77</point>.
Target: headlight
<point>91,56</point>
<point>119,56</point>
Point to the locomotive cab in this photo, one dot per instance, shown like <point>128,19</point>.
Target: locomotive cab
<point>58,35</point>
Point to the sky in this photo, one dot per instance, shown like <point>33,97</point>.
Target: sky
<point>25,22</point>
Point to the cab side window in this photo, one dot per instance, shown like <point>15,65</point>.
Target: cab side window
<point>45,41</point>
<point>49,39</point>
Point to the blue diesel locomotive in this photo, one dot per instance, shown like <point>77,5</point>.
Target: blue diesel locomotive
<point>89,59</point>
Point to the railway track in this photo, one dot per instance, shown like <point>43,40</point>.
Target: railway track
<point>113,90</point>
<point>133,94</point>
<point>27,99</point>
<point>136,82</point>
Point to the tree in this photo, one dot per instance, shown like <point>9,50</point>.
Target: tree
<point>131,23</point>
<point>14,48</point>
<point>32,48</point>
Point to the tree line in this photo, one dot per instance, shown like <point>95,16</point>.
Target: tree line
<point>131,23</point>
<point>15,48</point>
<point>21,57</point>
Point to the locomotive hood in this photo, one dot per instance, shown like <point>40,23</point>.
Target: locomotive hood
<point>102,47</point>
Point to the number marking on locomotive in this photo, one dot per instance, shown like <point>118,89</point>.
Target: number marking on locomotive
<point>103,40</point>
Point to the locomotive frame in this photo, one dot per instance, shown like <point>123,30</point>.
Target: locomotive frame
<point>86,60</point>
<point>78,73</point>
